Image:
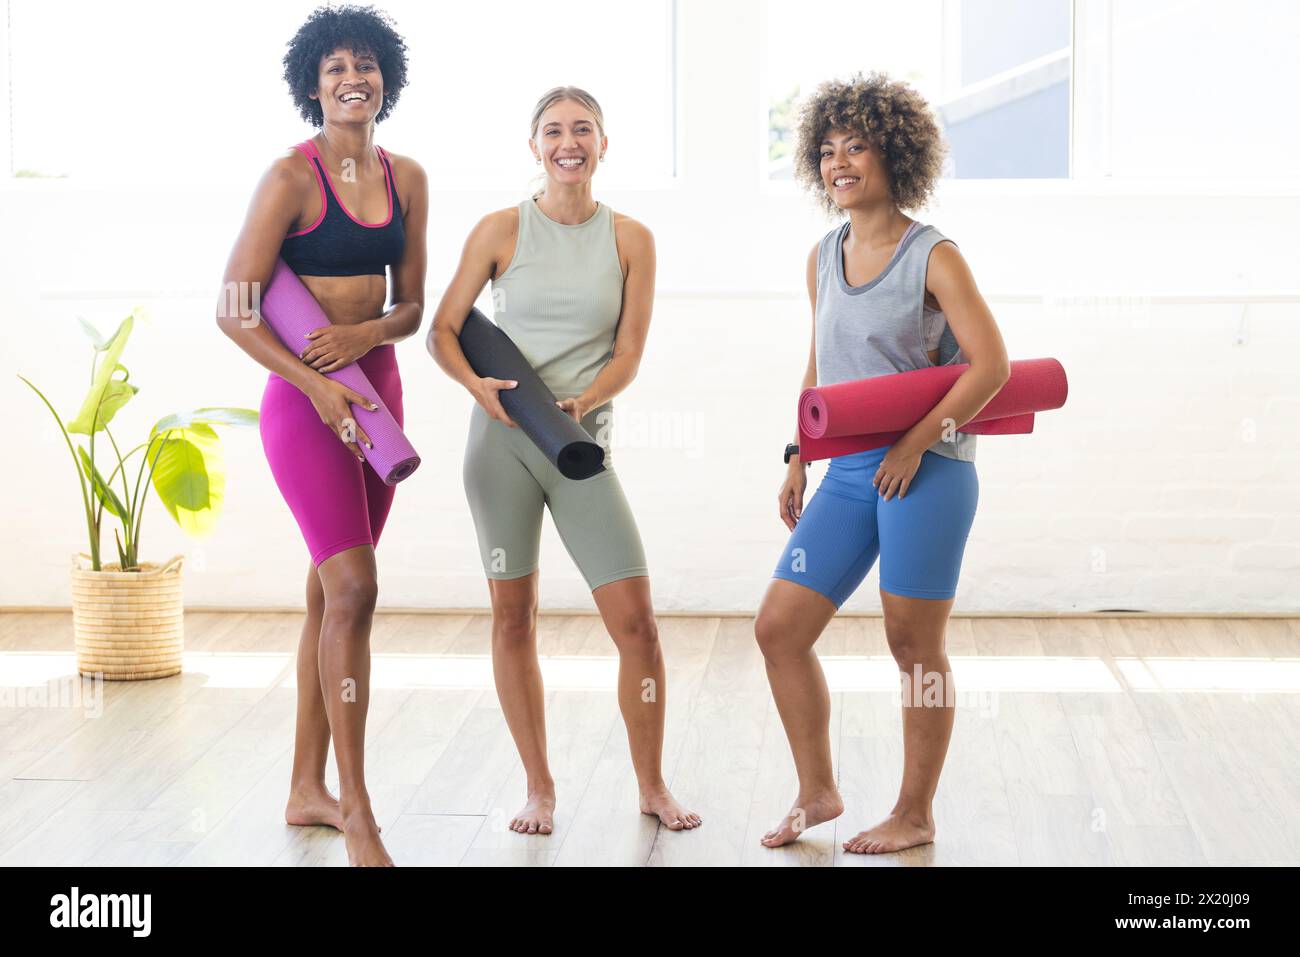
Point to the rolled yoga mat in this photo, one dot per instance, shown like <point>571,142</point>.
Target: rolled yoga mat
<point>291,311</point>
<point>851,417</point>
<point>493,354</point>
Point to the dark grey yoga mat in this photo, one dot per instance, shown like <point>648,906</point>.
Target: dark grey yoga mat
<point>492,354</point>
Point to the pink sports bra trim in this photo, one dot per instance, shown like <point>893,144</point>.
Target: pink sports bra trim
<point>308,149</point>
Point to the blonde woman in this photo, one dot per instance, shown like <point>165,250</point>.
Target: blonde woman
<point>573,285</point>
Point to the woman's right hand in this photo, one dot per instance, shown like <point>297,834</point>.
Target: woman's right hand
<point>332,401</point>
<point>486,393</point>
<point>790,498</point>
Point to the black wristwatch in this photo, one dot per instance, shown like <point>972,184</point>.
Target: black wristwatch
<point>790,449</point>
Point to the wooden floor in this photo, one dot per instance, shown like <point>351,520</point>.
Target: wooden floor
<point>1113,741</point>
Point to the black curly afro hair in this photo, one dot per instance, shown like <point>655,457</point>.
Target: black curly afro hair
<point>359,29</point>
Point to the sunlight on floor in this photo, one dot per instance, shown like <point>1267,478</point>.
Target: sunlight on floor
<point>843,673</point>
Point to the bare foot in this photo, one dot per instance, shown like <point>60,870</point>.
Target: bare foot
<point>660,802</point>
<point>313,806</point>
<point>894,833</point>
<point>361,833</point>
<point>538,815</point>
<point>806,813</point>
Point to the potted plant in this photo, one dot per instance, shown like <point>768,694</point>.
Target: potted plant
<point>128,615</point>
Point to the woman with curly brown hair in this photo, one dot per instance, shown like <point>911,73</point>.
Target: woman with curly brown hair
<point>888,295</point>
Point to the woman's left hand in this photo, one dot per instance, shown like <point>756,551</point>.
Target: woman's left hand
<point>896,471</point>
<point>575,407</point>
<point>333,347</point>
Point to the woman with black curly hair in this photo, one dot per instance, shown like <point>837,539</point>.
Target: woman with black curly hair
<point>888,295</point>
<point>340,211</point>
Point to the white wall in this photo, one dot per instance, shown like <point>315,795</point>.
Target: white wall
<point>1168,482</point>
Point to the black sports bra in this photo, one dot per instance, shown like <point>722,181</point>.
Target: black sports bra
<point>339,244</point>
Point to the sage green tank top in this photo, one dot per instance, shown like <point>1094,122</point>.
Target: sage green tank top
<point>561,296</point>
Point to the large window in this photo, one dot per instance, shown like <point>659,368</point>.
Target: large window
<point>145,91</point>
<point>997,73</point>
<point>1049,89</point>
<point>1200,89</point>
<point>1006,105</point>
<point>141,91</point>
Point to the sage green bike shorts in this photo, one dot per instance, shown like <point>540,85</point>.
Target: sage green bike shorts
<point>508,481</point>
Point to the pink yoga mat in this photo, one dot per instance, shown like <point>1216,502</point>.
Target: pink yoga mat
<point>851,417</point>
<point>291,311</point>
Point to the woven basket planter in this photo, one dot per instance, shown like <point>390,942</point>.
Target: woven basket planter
<point>128,625</point>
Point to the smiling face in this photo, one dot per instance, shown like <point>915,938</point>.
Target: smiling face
<point>852,171</point>
<point>350,87</point>
<point>569,143</point>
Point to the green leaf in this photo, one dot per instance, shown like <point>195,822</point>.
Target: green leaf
<point>103,491</point>
<point>106,394</point>
<point>190,477</point>
<point>209,416</point>
<point>118,393</point>
<point>100,342</point>
<point>92,529</point>
<point>122,561</point>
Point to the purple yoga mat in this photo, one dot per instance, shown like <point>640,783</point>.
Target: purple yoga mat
<point>291,311</point>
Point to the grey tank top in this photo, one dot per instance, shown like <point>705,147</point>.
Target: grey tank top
<point>877,329</point>
<point>561,296</point>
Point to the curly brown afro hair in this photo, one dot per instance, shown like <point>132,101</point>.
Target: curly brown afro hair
<point>893,116</point>
<point>357,28</point>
